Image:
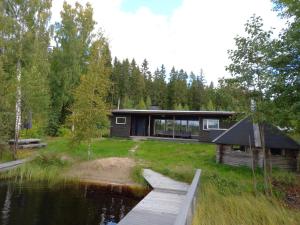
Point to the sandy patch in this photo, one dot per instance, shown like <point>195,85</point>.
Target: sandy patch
<point>108,170</point>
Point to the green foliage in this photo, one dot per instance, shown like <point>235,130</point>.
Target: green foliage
<point>141,104</point>
<point>127,103</point>
<point>210,106</point>
<point>69,58</point>
<point>64,132</point>
<point>37,131</point>
<point>148,102</point>
<point>24,41</point>
<point>89,111</point>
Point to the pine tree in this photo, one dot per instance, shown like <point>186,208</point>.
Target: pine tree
<point>148,79</point>
<point>197,96</point>
<point>137,83</point>
<point>160,88</point>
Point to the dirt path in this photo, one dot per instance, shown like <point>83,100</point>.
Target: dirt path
<point>108,170</point>
<point>134,148</point>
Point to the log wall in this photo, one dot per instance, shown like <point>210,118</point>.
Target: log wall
<point>225,155</point>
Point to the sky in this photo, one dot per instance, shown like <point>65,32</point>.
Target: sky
<point>188,34</point>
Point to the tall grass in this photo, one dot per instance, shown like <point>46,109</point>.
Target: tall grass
<point>45,167</point>
<point>215,208</point>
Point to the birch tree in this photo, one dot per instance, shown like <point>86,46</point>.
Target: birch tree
<point>25,39</point>
<point>90,111</point>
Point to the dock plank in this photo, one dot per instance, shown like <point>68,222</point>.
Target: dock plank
<point>163,183</point>
<point>12,164</point>
<point>162,205</point>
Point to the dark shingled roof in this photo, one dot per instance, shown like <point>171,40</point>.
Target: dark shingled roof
<point>239,133</point>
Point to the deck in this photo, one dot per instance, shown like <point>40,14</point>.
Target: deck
<point>187,140</point>
<point>162,205</point>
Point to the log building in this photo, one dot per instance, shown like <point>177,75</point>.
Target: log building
<point>241,145</point>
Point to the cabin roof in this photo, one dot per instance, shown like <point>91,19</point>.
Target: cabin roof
<point>243,133</point>
<point>171,112</point>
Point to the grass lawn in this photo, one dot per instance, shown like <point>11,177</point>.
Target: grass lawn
<point>227,195</point>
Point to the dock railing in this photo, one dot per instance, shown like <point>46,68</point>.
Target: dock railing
<point>187,210</point>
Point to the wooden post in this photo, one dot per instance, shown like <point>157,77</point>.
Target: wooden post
<point>173,126</point>
<point>149,123</point>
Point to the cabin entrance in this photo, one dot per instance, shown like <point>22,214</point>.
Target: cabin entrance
<point>139,126</point>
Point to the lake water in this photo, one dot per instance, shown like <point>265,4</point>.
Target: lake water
<point>38,204</point>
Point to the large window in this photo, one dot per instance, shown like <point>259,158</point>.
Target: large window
<point>193,127</point>
<point>159,126</point>
<point>210,124</point>
<point>183,128</point>
<point>169,126</point>
<point>177,126</point>
<point>184,125</point>
<point>120,120</point>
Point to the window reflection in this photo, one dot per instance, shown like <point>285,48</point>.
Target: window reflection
<point>193,126</point>
<point>182,128</point>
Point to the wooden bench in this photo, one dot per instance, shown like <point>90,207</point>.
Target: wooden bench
<point>27,143</point>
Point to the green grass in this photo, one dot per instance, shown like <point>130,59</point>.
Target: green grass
<point>226,193</point>
<point>107,147</point>
<point>51,162</point>
<point>180,160</point>
<point>215,208</point>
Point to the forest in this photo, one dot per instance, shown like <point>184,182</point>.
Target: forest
<point>54,76</point>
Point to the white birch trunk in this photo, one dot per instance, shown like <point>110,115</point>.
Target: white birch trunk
<point>18,106</point>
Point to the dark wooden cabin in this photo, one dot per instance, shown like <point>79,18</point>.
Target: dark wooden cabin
<point>241,145</point>
<point>199,125</point>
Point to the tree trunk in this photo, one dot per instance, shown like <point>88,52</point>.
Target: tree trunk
<point>253,166</point>
<point>18,109</point>
<point>89,150</point>
<point>266,176</point>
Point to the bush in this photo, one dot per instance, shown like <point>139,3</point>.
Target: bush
<point>36,131</point>
<point>50,159</point>
<point>64,132</point>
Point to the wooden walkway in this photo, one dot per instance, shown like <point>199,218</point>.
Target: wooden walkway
<point>162,205</point>
<point>13,164</point>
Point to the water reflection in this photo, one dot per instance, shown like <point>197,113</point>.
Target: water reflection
<point>36,204</point>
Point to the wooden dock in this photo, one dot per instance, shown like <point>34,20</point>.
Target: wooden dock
<point>163,205</point>
<point>13,164</point>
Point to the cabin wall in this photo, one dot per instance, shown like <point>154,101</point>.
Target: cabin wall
<point>225,155</point>
<point>120,130</point>
<point>287,161</point>
<point>134,124</point>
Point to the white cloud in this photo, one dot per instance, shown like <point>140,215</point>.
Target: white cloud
<point>196,35</point>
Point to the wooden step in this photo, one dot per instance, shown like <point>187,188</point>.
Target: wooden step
<point>29,146</point>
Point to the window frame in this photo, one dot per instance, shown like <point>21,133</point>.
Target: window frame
<point>203,125</point>
<point>121,117</point>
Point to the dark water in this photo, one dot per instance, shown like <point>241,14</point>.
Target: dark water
<point>37,204</point>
